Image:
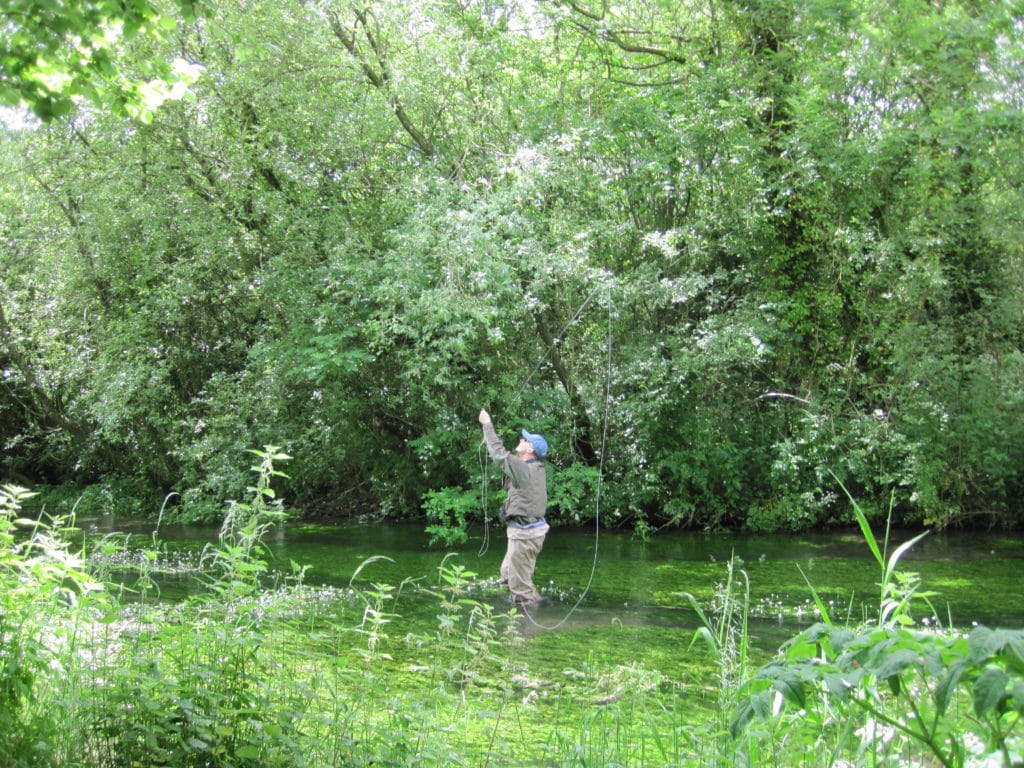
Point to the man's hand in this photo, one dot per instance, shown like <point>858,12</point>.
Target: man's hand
<point>484,417</point>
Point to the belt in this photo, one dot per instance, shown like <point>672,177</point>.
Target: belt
<point>536,524</point>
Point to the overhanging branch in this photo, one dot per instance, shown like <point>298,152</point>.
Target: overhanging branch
<point>374,64</point>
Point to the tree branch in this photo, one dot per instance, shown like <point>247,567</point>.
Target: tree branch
<point>47,412</point>
<point>595,25</point>
<point>378,74</point>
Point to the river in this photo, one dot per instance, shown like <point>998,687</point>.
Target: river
<point>970,578</point>
<point>613,665</point>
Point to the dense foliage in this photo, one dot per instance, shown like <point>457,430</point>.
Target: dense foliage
<point>719,250</point>
<point>101,668</point>
<point>55,53</point>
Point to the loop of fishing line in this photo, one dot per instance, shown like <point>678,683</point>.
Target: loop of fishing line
<point>482,452</point>
<point>600,474</point>
<point>482,457</point>
<point>597,490</point>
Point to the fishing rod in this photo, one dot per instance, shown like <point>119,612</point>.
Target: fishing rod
<point>604,443</point>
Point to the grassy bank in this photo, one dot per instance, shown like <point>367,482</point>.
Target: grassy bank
<point>253,671</point>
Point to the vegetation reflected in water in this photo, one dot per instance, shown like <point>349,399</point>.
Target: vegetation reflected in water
<point>637,583</point>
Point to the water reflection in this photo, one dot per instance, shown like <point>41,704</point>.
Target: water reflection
<point>641,583</point>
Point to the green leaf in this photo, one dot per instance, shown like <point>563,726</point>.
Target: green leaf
<point>989,690</point>
<point>757,706</point>
<point>898,553</point>
<point>792,688</point>
<point>248,752</point>
<point>947,686</point>
<point>807,643</point>
<point>862,521</point>
<point>822,608</point>
<point>895,663</point>
<point>840,684</point>
<point>983,643</point>
<point>840,638</point>
<point>1013,649</point>
<point>895,684</point>
<point>709,638</point>
<point>986,643</point>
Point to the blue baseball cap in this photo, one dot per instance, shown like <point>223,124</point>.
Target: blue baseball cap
<point>540,445</point>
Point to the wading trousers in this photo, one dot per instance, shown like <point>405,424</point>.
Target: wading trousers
<point>524,544</point>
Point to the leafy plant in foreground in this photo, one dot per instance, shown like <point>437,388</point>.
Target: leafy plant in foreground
<point>196,685</point>
<point>897,688</point>
<point>246,524</point>
<point>486,638</point>
<point>43,586</point>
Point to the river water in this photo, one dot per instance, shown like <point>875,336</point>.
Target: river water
<point>616,620</point>
<point>970,578</point>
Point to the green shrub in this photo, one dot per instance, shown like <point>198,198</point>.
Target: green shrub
<point>884,690</point>
<point>44,589</point>
<point>450,509</point>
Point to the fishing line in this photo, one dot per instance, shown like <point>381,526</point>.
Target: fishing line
<point>557,340</point>
<point>597,492</point>
<point>482,458</point>
<point>482,451</point>
<point>604,445</point>
<point>600,476</point>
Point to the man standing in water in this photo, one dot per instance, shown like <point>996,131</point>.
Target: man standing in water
<point>523,510</point>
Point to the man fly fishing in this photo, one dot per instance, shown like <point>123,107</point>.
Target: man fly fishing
<point>523,510</point>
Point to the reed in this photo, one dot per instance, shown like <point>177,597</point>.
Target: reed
<point>725,630</point>
<point>266,671</point>
<point>892,690</point>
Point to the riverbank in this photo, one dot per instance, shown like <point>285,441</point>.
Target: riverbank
<point>200,648</point>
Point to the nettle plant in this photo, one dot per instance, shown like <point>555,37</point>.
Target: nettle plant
<point>887,689</point>
<point>45,593</point>
<point>241,549</point>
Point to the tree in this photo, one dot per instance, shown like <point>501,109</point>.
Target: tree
<point>53,53</point>
<point>374,219</point>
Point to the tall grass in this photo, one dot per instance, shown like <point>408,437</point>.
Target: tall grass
<point>257,670</point>
<point>889,691</point>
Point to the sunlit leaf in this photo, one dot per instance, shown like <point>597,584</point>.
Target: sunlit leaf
<point>989,691</point>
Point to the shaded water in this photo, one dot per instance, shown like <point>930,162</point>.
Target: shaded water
<point>973,578</point>
<point>631,636</point>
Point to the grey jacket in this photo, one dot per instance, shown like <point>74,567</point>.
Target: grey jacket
<point>525,482</point>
